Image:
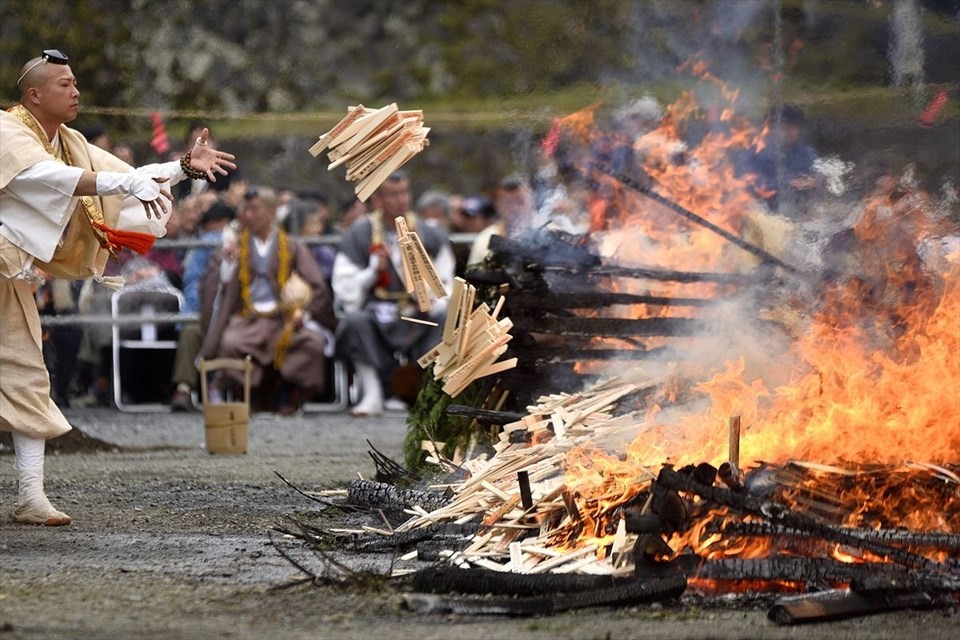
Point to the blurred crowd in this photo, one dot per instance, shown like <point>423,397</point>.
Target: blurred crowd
<point>270,280</point>
<point>298,281</point>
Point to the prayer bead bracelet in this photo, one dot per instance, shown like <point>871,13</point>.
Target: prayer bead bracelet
<point>192,173</point>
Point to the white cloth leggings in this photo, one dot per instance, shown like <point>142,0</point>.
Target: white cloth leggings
<point>28,452</point>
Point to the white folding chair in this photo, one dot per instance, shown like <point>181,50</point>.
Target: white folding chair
<point>146,301</point>
<point>343,391</point>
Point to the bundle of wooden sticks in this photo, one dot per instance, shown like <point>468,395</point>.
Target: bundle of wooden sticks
<point>473,339</point>
<point>373,143</point>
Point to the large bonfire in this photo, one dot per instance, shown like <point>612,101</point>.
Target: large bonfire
<point>857,391</point>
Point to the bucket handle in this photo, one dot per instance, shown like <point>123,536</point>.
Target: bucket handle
<point>245,365</point>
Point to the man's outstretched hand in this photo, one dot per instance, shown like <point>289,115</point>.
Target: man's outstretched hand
<point>203,157</point>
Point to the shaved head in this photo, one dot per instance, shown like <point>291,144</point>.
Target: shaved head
<point>34,73</point>
<point>49,91</point>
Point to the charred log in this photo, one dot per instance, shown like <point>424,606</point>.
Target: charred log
<point>525,301</point>
<point>444,532</point>
<point>453,580</point>
<point>559,354</point>
<point>611,327</point>
<point>368,493</point>
<point>842,603</point>
<point>483,416</point>
<point>665,275</point>
<point>631,593</point>
<point>811,571</point>
<point>548,249</point>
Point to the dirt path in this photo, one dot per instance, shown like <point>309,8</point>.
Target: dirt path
<point>170,542</point>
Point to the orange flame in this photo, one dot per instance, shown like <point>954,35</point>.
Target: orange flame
<point>874,371</point>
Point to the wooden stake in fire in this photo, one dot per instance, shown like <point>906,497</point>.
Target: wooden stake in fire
<point>373,143</point>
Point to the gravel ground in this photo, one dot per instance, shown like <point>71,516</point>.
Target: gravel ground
<point>171,542</point>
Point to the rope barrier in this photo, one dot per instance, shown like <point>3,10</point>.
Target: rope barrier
<point>333,240</point>
<point>320,117</point>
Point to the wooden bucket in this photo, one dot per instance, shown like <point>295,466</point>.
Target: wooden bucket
<point>225,424</point>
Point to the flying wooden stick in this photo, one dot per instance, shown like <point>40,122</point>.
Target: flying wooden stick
<point>372,144</point>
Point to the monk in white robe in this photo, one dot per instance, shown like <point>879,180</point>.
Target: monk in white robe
<point>65,206</point>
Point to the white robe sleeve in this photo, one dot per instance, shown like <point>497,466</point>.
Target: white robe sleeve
<point>36,205</point>
<point>446,264</point>
<point>350,283</point>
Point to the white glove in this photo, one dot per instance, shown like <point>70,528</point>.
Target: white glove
<point>111,183</point>
<point>169,170</point>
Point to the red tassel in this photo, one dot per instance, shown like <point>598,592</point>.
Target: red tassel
<point>133,240</point>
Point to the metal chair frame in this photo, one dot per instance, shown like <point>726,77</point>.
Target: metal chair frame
<point>119,343</point>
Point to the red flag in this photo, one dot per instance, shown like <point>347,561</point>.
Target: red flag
<point>160,142</point>
<point>933,109</point>
<point>552,140</point>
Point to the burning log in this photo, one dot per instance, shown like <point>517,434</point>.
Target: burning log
<point>842,603</point>
<point>386,496</point>
<point>631,593</point>
<point>948,542</point>
<point>545,262</point>
<point>689,215</point>
<point>781,514</point>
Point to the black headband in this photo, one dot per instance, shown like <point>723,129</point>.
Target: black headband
<point>53,56</point>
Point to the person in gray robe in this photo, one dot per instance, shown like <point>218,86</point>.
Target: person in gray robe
<point>369,290</point>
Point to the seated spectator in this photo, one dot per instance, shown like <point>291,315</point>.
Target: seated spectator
<point>351,210</point>
<point>368,286</point>
<point>274,307</point>
<point>513,210</point>
<point>314,217</point>
<point>195,266</point>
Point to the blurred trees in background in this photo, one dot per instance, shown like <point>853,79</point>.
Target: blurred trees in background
<point>255,56</point>
<point>266,59</point>
<point>258,56</point>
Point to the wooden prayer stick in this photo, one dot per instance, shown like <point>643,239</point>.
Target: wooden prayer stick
<point>429,323</point>
<point>453,310</point>
<point>733,449</point>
